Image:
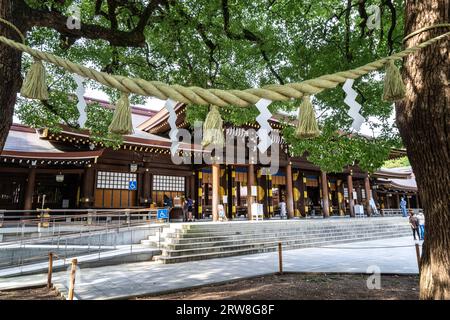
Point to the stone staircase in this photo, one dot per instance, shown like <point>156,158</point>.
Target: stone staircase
<point>198,241</point>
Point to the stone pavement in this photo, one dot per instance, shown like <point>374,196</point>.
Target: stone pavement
<point>127,280</point>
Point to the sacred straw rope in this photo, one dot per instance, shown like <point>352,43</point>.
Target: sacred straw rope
<point>9,24</point>
<point>439,25</point>
<point>218,97</point>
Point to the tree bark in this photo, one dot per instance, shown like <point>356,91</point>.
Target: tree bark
<point>10,64</point>
<point>423,118</point>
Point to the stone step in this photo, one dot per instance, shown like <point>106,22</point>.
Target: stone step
<point>285,223</point>
<point>186,240</point>
<point>202,236</point>
<point>186,258</point>
<point>180,243</point>
<point>289,225</point>
<point>256,244</point>
<point>277,237</point>
<point>194,241</point>
<point>221,233</point>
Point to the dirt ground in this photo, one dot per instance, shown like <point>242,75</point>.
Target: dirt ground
<point>303,287</point>
<point>274,287</point>
<point>41,293</point>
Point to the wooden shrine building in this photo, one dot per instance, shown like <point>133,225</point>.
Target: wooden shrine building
<point>69,170</point>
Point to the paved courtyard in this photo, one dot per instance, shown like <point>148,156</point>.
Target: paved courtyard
<point>396,255</point>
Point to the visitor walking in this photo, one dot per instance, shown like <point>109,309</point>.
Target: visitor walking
<point>414,223</point>
<point>421,219</point>
<point>167,202</point>
<point>283,213</point>
<point>184,205</point>
<point>190,208</point>
<point>403,207</point>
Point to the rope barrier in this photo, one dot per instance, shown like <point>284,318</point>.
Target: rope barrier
<point>219,97</point>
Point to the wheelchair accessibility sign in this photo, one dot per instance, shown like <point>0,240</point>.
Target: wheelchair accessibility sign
<point>132,185</point>
<point>162,214</point>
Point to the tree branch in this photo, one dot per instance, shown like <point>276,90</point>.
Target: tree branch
<point>57,21</point>
<point>249,36</point>
<point>393,24</point>
<point>54,110</point>
<point>363,14</point>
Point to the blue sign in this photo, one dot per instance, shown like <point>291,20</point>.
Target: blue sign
<point>162,214</point>
<point>132,185</point>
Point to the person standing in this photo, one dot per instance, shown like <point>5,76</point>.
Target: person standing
<point>283,213</point>
<point>403,207</point>
<point>414,223</point>
<point>421,219</point>
<point>190,208</point>
<point>167,202</point>
<point>184,207</point>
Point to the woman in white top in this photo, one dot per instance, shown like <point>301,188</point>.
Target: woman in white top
<point>282,205</point>
<point>421,219</point>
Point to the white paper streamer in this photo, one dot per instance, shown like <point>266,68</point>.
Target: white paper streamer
<point>81,106</point>
<point>350,100</point>
<point>265,140</point>
<point>170,106</point>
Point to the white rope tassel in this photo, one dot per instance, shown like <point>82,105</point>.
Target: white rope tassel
<point>350,100</point>
<point>265,129</point>
<point>170,106</point>
<point>81,106</point>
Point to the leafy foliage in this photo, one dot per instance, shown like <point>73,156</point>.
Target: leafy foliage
<point>233,44</point>
<point>397,163</point>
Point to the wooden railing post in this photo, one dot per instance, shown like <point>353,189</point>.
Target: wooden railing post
<point>280,258</point>
<point>50,270</point>
<point>72,279</point>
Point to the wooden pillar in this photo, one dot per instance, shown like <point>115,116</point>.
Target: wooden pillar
<point>261,182</point>
<point>417,201</point>
<point>88,186</point>
<point>397,198</point>
<point>199,199</point>
<point>408,201</point>
<point>299,193</point>
<point>229,190</point>
<point>232,197</point>
<point>223,192</point>
<point>358,193</point>
<point>192,186</point>
<point>269,195</point>
<point>340,196</point>
<point>368,195</point>
<point>250,183</point>
<point>29,191</point>
<point>289,191</point>
<point>325,195</point>
<point>146,187</point>
<point>350,195</point>
<point>215,191</point>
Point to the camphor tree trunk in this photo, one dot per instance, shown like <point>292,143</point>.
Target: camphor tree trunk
<point>423,119</point>
<point>10,64</point>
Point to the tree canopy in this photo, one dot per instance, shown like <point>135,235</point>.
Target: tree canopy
<point>227,44</point>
